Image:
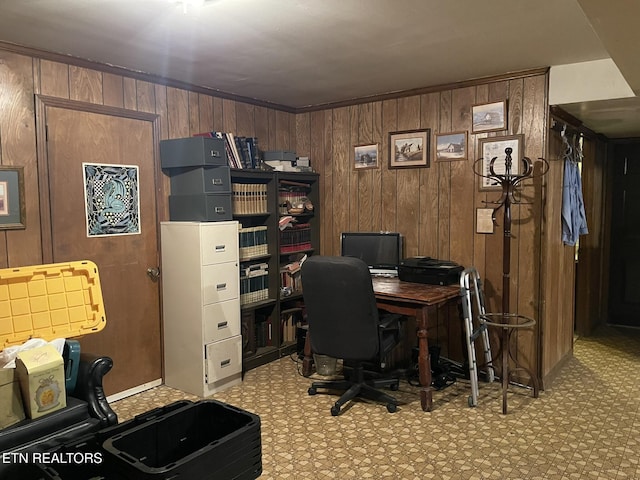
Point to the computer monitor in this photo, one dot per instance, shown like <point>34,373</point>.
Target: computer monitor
<point>381,251</point>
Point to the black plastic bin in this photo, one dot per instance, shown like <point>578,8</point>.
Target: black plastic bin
<point>203,440</point>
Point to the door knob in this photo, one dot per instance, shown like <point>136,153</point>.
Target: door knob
<point>154,273</point>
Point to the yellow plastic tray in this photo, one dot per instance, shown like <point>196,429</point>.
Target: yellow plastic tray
<point>58,300</point>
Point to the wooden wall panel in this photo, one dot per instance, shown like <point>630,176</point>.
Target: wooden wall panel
<point>351,174</point>
<point>18,148</point>
<point>54,79</point>
<point>339,206</point>
<point>428,227</point>
<point>205,112</point>
<point>112,90</point>
<point>145,97</point>
<point>85,85</point>
<point>389,176</point>
<point>194,113</point>
<point>408,180</point>
<point>130,95</point>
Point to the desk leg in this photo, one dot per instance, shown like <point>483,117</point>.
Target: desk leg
<point>424,362</point>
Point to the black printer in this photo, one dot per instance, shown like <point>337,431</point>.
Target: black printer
<point>429,270</point>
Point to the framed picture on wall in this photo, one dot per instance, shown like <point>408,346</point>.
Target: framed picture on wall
<point>451,146</point>
<point>494,148</point>
<point>489,117</point>
<point>409,148</point>
<point>12,207</point>
<point>365,156</point>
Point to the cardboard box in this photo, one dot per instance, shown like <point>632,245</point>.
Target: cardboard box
<point>11,409</point>
<point>41,375</point>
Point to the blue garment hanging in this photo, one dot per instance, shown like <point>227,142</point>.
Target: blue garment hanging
<point>574,219</point>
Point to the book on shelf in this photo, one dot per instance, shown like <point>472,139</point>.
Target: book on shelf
<point>254,283</point>
<point>249,198</point>
<point>253,241</point>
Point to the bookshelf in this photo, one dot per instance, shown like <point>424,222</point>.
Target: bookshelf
<point>270,318</point>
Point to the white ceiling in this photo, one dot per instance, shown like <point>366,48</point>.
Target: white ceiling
<point>301,53</point>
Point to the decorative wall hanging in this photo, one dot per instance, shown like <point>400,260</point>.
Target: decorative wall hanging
<point>451,146</point>
<point>489,117</point>
<point>366,156</point>
<point>409,148</point>
<point>112,200</point>
<point>495,147</point>
<point>12,208</point>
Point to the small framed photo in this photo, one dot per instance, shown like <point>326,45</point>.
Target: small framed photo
<point>451,146</point>
<point>494,147</point>
<point>409,148</point>
<point>366,156</point>
<point>489,117</point>
<point>12,207</point>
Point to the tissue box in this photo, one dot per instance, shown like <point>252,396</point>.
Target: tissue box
<point>11,410</point>
<point>42,380</point>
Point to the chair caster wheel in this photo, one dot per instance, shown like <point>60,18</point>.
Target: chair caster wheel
<point>312,391</point>
<point>394,387</point>
<point>470,401</point>
<point>392,407</point>
<point>335,411</point>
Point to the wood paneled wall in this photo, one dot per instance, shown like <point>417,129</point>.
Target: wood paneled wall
<point>182,113</point>
<point>435,208</point>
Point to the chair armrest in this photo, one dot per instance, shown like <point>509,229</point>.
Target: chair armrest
<point>89,387</point>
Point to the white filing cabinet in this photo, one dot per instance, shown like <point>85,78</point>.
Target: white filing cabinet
<point>201,306</point>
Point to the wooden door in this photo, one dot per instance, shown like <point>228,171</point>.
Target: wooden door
<point>131,297</point>
<point>624,273</point>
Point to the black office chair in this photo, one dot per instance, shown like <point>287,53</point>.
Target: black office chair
<point>344,322</point>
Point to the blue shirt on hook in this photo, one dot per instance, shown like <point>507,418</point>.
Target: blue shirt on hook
<point>574,219</point>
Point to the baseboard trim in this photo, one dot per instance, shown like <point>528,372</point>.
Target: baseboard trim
<point>132,391</point>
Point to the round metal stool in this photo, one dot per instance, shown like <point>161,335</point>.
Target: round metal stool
<point>509,323</point>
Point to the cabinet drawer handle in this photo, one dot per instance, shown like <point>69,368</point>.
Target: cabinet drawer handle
<point>221,248</point>
<point>221,286</point>
<point>214,153</point>
<point>219,209</point>
<point>223,324</point>
<point>226,362</point>
<point>216,181</point>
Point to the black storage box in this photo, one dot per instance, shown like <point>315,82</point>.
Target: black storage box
<point>204,440</point>
<point>429,270</point>
<point>95,463</point>
<point>192,152</point>
<point>188,181</point>
<point>204,207</point>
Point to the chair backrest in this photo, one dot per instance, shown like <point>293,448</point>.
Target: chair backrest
<point>341,307</point>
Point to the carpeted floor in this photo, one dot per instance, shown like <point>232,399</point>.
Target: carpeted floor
<point>585,426</point>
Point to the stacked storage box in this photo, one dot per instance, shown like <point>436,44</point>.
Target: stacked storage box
<point>204,440</point>
<point>200,179</point>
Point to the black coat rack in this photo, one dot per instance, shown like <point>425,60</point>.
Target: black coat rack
<point>507,321</point>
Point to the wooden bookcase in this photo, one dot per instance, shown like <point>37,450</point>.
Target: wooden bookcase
<point>268,319</point>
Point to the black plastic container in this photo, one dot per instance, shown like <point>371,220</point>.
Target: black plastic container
<point>203,440</point>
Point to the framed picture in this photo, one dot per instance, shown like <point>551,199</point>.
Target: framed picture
<point>409,148</point>
<point>494,147</point>
<point>12,208</point>
<point>451,146</point>
<point>366,156</point>
<point>489,117</point>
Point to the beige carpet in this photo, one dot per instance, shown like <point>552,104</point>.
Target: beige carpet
<point>586,426</point>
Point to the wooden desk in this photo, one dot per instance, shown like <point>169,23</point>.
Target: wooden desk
<point>411,299</point>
